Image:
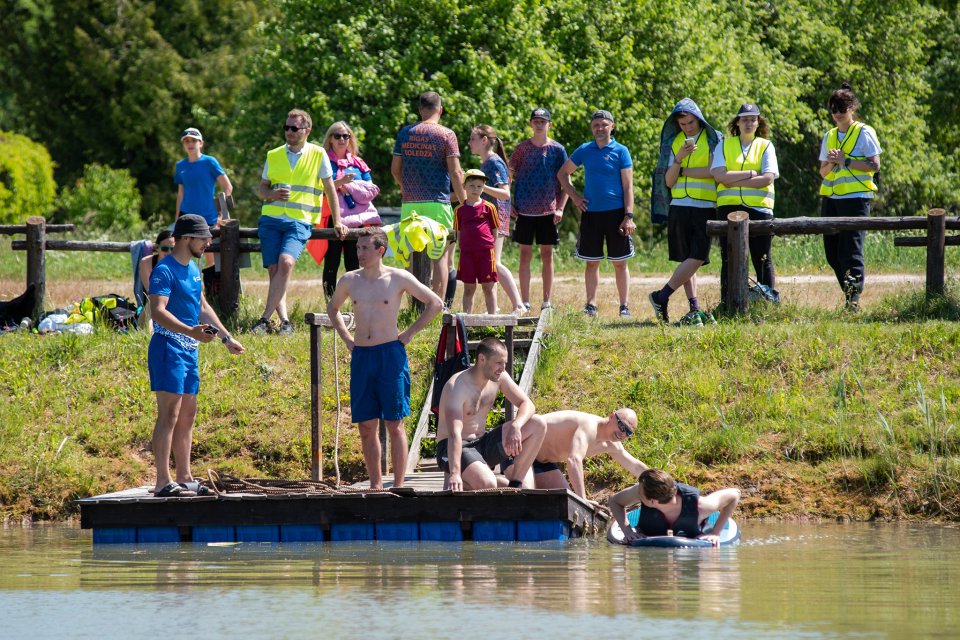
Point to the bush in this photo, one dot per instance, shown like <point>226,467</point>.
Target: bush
<point>103,198</point>
<point>27,187</point>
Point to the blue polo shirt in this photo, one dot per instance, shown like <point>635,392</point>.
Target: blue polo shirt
<point>602,186</point>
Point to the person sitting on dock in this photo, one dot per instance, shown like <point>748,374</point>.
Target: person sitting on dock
<point>462,438</point>
<point>379,374</point>
<point>667,505</point>
<point>573,436</point>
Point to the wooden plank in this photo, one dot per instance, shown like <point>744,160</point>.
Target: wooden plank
<point>818,225</point>
<point>14,229</point>
<point>921,241</point>
<point>423,424</point>
<point>936,258</point>
<point>323,320</point>
<point>35,245</point>
<point>484,319</point>
<point>530,366</point>
<point>738,271</point>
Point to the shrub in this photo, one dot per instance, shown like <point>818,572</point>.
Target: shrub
<point>103,198</point>
<point>27,187</point>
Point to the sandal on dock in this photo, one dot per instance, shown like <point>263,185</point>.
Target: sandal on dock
<point>174,490</point>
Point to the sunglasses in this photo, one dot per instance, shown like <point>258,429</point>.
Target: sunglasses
<point>622,426</point>
<point>836,109</point>
<point>164,249</point>
<point>341,136</point>
<point>290,127</point>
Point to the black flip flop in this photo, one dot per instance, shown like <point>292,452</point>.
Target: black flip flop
<point>174,490</point>
<point>196,488</point>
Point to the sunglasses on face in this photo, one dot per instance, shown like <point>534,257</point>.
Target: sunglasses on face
<point>341,136</point>
<point>290,127</point>
<point>622,426</point>
<point>836,109</point>
<point>164,249</point>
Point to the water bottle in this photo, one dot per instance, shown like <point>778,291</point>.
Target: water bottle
<point>351,203</point>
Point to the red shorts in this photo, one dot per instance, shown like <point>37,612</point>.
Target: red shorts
<point>477,266</point>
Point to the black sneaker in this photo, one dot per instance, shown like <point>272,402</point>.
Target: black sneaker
<point>590,310</point>
<point>624,311</point>
<point>262,327</point>
<point>286,328</point>
<point>659,310</point>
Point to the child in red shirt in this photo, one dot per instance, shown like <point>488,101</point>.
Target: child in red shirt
<point>476,224</point>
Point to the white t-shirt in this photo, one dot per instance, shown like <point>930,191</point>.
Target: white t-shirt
<point>768,164</point>
<point>867,146</point>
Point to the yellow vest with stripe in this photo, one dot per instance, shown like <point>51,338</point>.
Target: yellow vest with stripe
<point>306,190</point>
<point>696,188</point>
<point>843,180</point>
<point>756,197</point>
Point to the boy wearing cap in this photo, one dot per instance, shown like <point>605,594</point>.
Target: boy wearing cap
<point>606,208</point>
<point>197,177</point>
<point>476,223</point>
<point>182,319</point>
<point>538,200</point>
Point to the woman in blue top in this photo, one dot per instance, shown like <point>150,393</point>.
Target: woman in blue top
<point>483,141</point>
<point>197,177</point>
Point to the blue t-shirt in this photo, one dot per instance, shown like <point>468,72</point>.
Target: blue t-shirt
<point>496,171</point>
<point>602,188</point>
<point>425,147</point>
<point>182,285</point>
<point>536,190</point>
<point>199,179</point>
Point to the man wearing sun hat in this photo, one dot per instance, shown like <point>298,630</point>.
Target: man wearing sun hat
<point>182,319</point>
<point>606,208</point>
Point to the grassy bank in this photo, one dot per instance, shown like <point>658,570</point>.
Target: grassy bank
<point>813,413</point>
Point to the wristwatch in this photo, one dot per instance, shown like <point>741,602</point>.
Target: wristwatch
<point>846,163</point>
<point>628,214</point>
<point>226,339</point>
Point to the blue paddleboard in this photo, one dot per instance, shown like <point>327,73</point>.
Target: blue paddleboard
<point>730,534</point>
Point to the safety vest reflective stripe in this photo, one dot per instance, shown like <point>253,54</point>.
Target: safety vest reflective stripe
<point>306,195</point>
<point>696,188</point>
<point>845,180</point>
<point>756,197</point>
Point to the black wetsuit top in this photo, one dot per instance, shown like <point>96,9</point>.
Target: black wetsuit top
<point>653,523</point>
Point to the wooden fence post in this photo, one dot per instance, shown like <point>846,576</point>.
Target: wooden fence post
<point>316,437</point>
<point>936,241</point>
<point>37,261</point>
<point>229,268</point>
<point>422,270</point>
<point>738,233</point>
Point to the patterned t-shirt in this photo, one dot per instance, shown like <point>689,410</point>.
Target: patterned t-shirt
<point>536,190</point>
<point>425,148</point>
<point>496,171</point>
<point>476,224</point>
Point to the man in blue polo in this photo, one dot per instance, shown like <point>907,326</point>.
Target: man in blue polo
<point>606,208</point>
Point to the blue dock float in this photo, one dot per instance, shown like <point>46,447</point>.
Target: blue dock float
<point>531,515</point>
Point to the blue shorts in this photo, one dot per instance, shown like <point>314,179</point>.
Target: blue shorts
<point>279,234</point>
<point>173,368</point>
<point>380,382</point>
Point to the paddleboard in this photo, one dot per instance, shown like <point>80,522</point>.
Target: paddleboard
<point>730,534</point>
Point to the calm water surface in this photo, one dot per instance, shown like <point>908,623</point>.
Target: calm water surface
<point>783,581</point>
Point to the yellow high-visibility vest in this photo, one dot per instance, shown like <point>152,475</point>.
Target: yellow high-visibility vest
<point>696,188</point>
<point>306,190</point>
<point>843,180</point>
<point>756,197</point>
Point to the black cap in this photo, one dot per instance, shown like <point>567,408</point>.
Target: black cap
<point>540,112</point>
<point>748,109</point>
<point>191,226</point>
<point>601,113</point>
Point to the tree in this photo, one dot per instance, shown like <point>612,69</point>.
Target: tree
<point>27,187</point>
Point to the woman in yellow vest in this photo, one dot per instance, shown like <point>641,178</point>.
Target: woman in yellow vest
<point>745,166</point>
<point>849,158</point>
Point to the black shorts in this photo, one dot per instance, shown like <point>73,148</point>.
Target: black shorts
<point>539,228</point>
<point>687,233</point>
<point>597,227</point>
<point>538,467</point>
<point>487,449</point>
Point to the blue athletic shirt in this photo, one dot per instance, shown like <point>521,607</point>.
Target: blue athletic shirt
<point>182,285</point>
<point>602,186</point>
<point>199,180</point>
<point>496,171</point>
<point>425,147</point>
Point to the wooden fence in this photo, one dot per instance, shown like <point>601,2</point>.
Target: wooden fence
<point>738,228</point>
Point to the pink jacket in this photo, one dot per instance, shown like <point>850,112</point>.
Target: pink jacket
<point>364,213</point>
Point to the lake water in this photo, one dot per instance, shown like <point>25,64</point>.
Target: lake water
<point>783,581</point>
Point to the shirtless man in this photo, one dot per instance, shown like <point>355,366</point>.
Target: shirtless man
<point>573,436</point>
<point>379,375</point>
<point>465,449</point>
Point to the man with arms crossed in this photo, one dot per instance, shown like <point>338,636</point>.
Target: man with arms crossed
<point>379,375</point>
<point>426,160</point>
<point>573,436</point>
<point>465,449</point>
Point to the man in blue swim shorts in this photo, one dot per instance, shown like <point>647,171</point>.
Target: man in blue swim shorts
<point>379,376</point>
<point>182,319</point>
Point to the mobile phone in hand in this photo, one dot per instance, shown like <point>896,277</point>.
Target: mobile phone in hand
<point>212,330</point>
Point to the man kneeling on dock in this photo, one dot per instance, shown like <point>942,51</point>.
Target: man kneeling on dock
<point>465,449</point>
<point>573,436</point>
<point>379,374</point>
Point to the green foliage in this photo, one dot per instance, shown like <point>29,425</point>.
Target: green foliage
<point>104,199</point>
<point>27,187</point>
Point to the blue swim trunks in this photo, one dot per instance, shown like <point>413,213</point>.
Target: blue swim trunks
<point>279,234</point>
<point>173,367</point>
<point>380,382</point>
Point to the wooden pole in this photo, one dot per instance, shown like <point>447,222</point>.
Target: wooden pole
<point>316,438</point>
<point>507,406</point>
<point>738,231</point>
<point>229,268</point>
<point>37,261</point>
<point>422,270</point>
<point>936,241</point>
